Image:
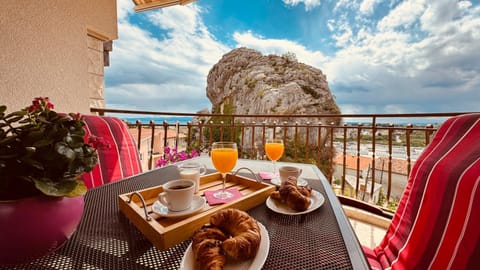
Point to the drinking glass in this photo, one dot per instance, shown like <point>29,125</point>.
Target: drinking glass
<point>224,157</point>
<point>274,149</point>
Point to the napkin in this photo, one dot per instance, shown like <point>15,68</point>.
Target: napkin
<point>214,201</point>
<point>266,175</point>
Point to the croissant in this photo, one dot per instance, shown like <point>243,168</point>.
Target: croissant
<point>243,229</point>
<point>207,248</point>
<point>295,197</point>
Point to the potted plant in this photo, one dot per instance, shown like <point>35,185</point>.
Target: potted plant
<point>42,157</point>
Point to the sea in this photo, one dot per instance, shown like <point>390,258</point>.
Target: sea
<point>185,119</point>
<point>158,120</point>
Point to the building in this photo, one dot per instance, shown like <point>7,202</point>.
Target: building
<point>173,139</point>
<point>364,163</point>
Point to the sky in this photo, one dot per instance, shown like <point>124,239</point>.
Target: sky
<point>379,56</point>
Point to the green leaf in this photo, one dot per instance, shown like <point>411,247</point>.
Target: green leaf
<point>3,108</point>
<point>42,142</point>
<point>69,188</point>
<point>8,140</point>
<point>76,141</point>
<point>16,114</point>
<point>13,119</point>
<point>37,165</point>
<point>63,149</point>
<point>79,190</point>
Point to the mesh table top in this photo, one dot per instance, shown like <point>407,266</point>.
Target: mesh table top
<point>106,239</point>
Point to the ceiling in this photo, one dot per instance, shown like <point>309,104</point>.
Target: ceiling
<point>144,5</point>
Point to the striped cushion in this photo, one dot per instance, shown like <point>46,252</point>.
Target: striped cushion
<point>117,162</point>
<point>437,223</point>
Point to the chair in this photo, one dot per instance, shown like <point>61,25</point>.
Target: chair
<point>118,161</point>
<point>437,223</point>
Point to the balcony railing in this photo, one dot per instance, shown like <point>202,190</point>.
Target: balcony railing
<point>340,145</point>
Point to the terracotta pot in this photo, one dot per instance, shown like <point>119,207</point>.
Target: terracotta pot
<point>34,227</point>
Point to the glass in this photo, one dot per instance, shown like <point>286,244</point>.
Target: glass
<point>274,149</point>
<point>224,157</point>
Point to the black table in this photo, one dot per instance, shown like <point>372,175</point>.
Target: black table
<point>106,239</point>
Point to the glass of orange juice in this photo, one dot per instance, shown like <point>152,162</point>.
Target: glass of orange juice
<point>274,149</point>
<point>224,157</point>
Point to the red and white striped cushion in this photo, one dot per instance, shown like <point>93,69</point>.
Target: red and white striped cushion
<point>437,223</point>
<point>120,160</point>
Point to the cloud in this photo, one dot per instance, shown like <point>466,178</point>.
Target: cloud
<point>159,72</point>
<point>309,4</point>
<point>367,6</point>
<point>403,15</point>
<point>124,9</point>
<point>279,47</point>
<point>418,56</point>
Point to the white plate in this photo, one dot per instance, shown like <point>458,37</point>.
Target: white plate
<point>189,262</point>
<point>300,182</point>
<point>197,204</point>
<point>316,199</point>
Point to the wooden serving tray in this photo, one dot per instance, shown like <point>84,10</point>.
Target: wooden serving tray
<point>166,232</point>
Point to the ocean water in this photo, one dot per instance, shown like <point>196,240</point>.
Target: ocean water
<point>159,120</point>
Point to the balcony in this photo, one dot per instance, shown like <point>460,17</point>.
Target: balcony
<point>366,158</point>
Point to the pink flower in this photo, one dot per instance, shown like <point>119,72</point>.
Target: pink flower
<point>171,155</point>
<point>99,142</point>
<point>40,103</point>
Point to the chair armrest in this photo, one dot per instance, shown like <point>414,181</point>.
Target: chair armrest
<point>365,206</point>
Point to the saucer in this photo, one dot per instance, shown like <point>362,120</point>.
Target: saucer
<point>198,203</point>
<point>300,182</point>
<point>316,199</point>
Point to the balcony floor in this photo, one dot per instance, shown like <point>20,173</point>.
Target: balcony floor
<point>369,235</point>
<point>369,228</point>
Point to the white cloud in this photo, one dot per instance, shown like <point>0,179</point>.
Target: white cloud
<point>422,56</point>
<point>397,68</point>
<point>345,37</point>
<point>124,8</point>
<point>367,6</point>
<point>160,72</point>
<point>309,4</point>
<point>405,14</point>
<point>279,47</point>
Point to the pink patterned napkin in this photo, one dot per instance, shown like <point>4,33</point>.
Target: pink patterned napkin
<point>214,201</point>
<point>266,175</point>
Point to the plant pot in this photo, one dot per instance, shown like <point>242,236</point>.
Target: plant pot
<point>34,227</point>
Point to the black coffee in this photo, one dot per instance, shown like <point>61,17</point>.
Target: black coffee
<point>180,187</point>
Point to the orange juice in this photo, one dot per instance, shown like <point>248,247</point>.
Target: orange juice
<point>224,159</point>
<point>274,150</point>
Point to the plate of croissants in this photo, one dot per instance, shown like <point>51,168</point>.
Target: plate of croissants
<point>291,199</point>
<point>232,240</point>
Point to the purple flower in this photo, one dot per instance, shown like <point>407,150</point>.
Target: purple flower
<point>171,155</point>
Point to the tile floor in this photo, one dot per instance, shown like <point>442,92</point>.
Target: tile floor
<point>368,235</point>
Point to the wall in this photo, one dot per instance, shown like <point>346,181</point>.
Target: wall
<point>44,50</point>
<point>399,181</point>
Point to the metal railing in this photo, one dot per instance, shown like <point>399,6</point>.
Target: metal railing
<point>317,139</point>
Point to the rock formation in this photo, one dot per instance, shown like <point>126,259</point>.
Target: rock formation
<point>256,84</point>
<point>247,82</point>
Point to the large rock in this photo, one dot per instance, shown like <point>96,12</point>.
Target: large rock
<point>272,84</point>
<point>251,83</point>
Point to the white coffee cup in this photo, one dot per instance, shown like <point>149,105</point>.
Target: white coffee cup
<point>192,171</point>
<point>286,171</point>
<point>177,195</point>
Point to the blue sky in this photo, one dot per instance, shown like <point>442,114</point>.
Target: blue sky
<point>380,56</point>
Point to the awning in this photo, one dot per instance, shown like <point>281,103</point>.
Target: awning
<point>144,5</point>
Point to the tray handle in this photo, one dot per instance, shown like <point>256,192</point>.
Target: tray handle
<point>147,216</point>
<point>248,169</point>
